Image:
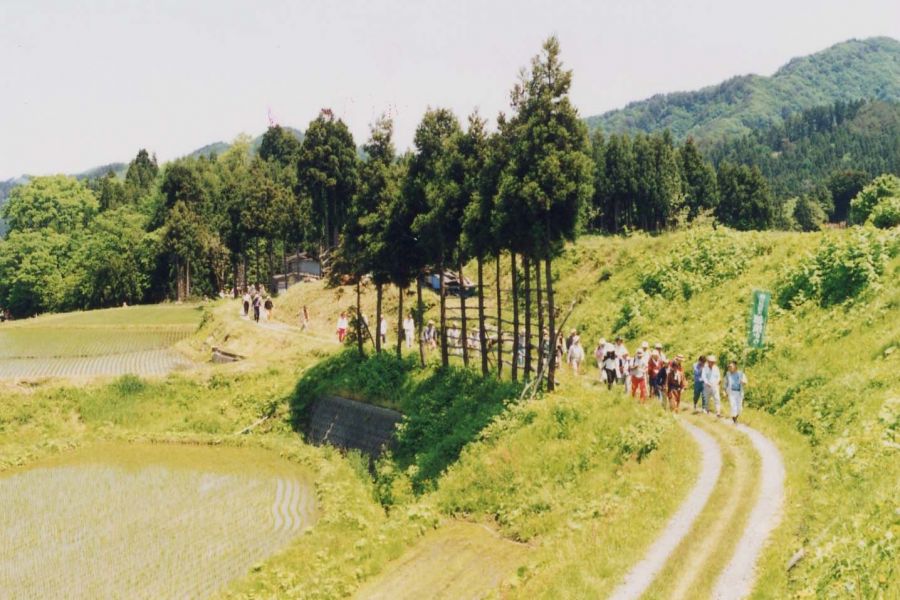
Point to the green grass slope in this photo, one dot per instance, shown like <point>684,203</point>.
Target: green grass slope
<point>824,388</point>
<point>558,476</point>
<point>851,70</point>
<point>825,385</point>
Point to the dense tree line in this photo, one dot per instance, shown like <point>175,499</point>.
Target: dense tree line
<point>827,153</point>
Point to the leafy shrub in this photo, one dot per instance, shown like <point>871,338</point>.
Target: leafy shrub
<point>641,438</point>
<point>809,214</point>
<point>883,186</point>
<point>710,257</point>
<point>633,315</point>
<point>842,268</point>
<point>886,213</point>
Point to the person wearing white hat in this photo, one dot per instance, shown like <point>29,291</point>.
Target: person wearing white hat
<point>712,380</point>
<point>638,372</point>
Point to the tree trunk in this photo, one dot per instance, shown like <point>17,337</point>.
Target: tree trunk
<point>187,278</point>
<point>420,319</point>
<point>526,268</point>
<point>540,313</point>
<point>499,318</point>
<point>400,335</point>
<point>515,307</point>
<point>359,321</point>
<point>378,292</point>
<point>464,333</point>
<point>178,288</point>
<point>551,371</point>
<point>256,253</point>
<point>236,268</point>
<point>482,338</point>
<point>445,355</point>
<point>271,255</point>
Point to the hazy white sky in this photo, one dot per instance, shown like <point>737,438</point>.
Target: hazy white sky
<point>91,82</point>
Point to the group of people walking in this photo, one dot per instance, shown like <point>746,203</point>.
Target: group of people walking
<point>408,325</point>
<point>256,299</point>
<point>650,373</point>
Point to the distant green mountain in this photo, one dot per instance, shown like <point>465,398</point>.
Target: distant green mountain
<point>852,70</point>
<point>118,168</point>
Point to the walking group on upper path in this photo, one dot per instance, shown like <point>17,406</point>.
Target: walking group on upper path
<point>650,373</point>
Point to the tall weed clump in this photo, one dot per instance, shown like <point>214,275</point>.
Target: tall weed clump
<point>842,268</point>
<point>708,258</point>
<point>704,259</point>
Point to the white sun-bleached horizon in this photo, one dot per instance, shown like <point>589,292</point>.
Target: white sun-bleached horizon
<point>88,83</point>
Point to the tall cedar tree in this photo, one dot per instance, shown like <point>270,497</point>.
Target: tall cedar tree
<point>619,177</point>
<point>188,235</point>
<point>327,169</point>
<point>477,236</point>
<point>434,197</point>
<point>698,179</point>
<point>280,145</point>
<point>491,225</point>
<point>379,191</point>
<point>516,228</point>
<point>744,198</point>
<point>140,178</point>
<point>551,162</point>
<point>409,263</point>
<point>595,211</point>
<point>233,170</point>
<point>463,181</point>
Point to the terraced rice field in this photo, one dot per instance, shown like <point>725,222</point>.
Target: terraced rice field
<point>136,340</point>
<point>147,521</point>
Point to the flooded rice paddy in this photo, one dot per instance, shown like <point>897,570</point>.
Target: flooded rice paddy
<point>147,521</point>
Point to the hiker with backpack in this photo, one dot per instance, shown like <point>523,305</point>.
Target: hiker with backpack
<point>675,383</point>
<point>638,372</point>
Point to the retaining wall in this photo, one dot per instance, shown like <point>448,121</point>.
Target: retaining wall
<point>349,424</point>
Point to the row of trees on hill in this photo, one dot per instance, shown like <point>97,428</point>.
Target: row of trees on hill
<point>201,225</point>
<point>465,194</point>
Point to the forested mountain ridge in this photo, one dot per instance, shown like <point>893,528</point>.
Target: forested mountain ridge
<point>820,146</point>
<point>851,70</point>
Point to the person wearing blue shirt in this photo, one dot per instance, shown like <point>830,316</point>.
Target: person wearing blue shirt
<point>735,384</point>
<point>698,382</point>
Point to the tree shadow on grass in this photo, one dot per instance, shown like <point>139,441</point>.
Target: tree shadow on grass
<point>443,409</point>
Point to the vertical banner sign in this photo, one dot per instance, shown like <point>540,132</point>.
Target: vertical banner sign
<point>759,317</point>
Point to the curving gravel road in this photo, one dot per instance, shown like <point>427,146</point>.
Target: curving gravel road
<point>642,574</point>
<point>736,580</point>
